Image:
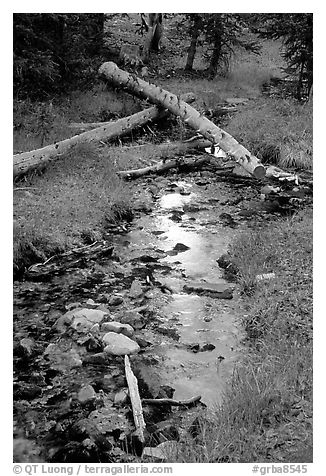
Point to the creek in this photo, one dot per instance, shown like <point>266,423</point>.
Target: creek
<point>158,273</point>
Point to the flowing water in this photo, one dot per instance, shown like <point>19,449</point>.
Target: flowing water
<point>198,319</point>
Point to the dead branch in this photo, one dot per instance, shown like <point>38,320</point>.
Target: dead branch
<point>171,402</point>
<point>135,400</point>
<point>162,167</point>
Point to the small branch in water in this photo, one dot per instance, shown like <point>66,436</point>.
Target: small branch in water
<point>170,401</point>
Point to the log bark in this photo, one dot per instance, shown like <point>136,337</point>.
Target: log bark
<point>27,161</point>
<point>135,400</point>
<point>188,114</point>
<point>162,167</point>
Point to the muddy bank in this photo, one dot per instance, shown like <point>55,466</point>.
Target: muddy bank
<point>153,290</point>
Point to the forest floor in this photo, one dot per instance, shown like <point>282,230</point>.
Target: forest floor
<point>138,245</point>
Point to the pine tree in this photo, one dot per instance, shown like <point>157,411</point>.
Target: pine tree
<point>296,32</point>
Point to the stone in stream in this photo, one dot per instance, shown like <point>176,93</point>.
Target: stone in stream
<point>86,394</point>
<point>215,290</point>
<point>133,318</point>
<point>119,344</point>
<point>25,348</point>
<point>80,319</point>
<point>115,301</point>
<point>136,289</point>
<point>101,358</point>
<point>62,358</point>
<point>117,327</point>
<point>121,397</point>
<point>227,220</point>
<point>180,247</point>
<point>91,304</point>
<point>72,305</point>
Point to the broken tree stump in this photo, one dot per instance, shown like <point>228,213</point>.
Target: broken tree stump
<point>188,114</point>
<point>27,161</point>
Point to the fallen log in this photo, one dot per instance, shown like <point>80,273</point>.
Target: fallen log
<point>169,149</point>
<point>135,400</point>
<point>174,403</point>
<point>188,114</point>
<point>162,167</point>
<point>36,158</point>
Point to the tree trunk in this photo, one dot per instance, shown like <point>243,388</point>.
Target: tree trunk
<point>188,114</point>
<point>154,34</point>
<point>36,158</point>
<point>215,58</point>
<point>193,43</point>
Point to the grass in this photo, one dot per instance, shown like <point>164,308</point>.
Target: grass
<point>266,414</point>
<point>276,131</point>
<point>72,200</point>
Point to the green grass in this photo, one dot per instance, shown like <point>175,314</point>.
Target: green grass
<point>276,131</point>
<point>266,414</point>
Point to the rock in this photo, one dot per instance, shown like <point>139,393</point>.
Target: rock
<point>119,344</point>
<point>143,343</point>
<point>201,183</point>
<point>72,305</point>
<point>194,348</point>
<point>216,290</point>
<point>108,420</point>
<point>207,347</point>
<point>168,331</point>
<point>93,344</point>
<point>25,347</point>
<point>121,397</point>
<point>231,269</point>
<point>91,304</point>
<point>117,327</point>
<point>115,301</point>
<point>268,189</point>
<point>62,358</point>
<point>227,220</point>
<point>136,289</point>
<point>84,319</point>
<point>86,394</point>
<point>168,450</point>
<point>224,261</point>
<point>180,247</point>
<point>103,308</point>
<point>101,358</point>
<point>134,319</point>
